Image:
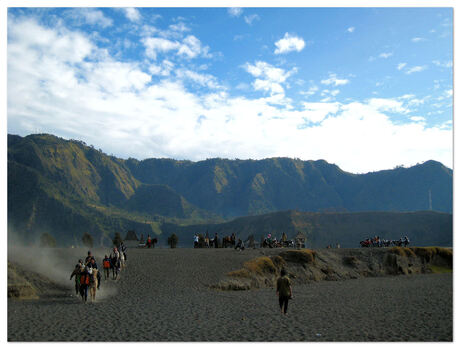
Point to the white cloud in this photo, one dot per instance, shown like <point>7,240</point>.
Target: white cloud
<point>201,79</point>
<point>179,27</point>
<point>155,45</point>
<point>190,47</point>
<point>317,112</point>
<point>235,11</point>
<point>417,39</point>
<point>115,106</point>
<point>132,14</point>
<point>268,77</point>
<point>401,65</point>
<point>289,43</point>
<point>311,91</point>
<point>446,64</point>
<point>351,29</point>
<point>163,70</point>
<point>418,119</point>
<point>386,55</point>
<point>251,18</point>
<point>91,16</point>
<point>415,69</point>
<point>387,105</point>
<point>333,80</point>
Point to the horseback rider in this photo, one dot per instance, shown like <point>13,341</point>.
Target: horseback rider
<point>93,265</point>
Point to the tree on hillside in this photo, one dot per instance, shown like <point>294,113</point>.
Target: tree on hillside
<point>47,240</point>
<point>117,240</point>
<point>172,240</point>
<point>87,240</point>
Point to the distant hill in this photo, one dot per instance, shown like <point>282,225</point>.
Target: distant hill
<point>66,187</point>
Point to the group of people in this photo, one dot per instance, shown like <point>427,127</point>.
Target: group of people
<point>200,241</point>
<point>376,241</point>
<point>203,240</point>
<point>272,241</point>
<point>87,273</point>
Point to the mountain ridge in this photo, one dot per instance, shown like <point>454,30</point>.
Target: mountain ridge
<point>55,180</point>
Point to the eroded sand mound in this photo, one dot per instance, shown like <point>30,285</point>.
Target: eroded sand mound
<point>26,284</point>
<point>306,265</point>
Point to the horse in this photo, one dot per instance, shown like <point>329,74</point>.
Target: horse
<point>93,285</point>
<point>226,240</point>
<point>229,241</point>
<point>122,260</point>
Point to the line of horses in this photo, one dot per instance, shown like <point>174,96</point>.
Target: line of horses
<point>384,243</point>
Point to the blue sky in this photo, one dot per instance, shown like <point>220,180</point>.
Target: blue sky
<point>365,88</point>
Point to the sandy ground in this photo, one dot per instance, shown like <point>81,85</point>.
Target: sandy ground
<point>164,295</point>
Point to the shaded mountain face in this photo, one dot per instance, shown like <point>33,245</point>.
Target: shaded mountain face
<point>66,188</point>
<point>241,187</point>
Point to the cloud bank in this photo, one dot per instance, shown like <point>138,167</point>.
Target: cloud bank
<point>61,82</point>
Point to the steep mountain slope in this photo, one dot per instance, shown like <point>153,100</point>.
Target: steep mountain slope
<point>67,188</point>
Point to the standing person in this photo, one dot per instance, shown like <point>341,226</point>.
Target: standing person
<point>195,240</point>
<point>216,241</point>
<point>115,261</point>
<point>88,258</point>
<point>283,291</point>
<point>84,282</point>
<point>106,263</point>
<point>76,272</point>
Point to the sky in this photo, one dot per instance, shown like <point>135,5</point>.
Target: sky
<point>364,88</point>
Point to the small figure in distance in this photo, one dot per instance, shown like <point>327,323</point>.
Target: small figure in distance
<point>239,245</point>
<point>283,291</point>
<point>88,258</point>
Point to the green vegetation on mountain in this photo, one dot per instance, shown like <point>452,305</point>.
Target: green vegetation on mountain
<point>65,188</point>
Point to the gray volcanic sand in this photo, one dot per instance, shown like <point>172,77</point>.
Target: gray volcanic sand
<point>163,295</point>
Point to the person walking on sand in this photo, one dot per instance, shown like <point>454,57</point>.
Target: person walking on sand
<point>106,263</point>
<point>76,272</point>
<point>283,291</point>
